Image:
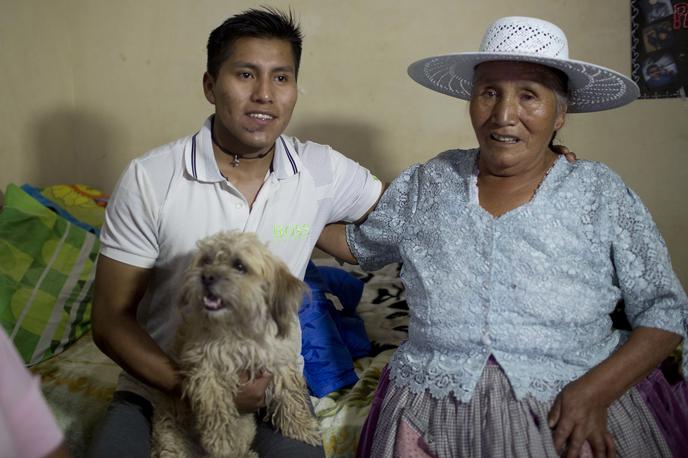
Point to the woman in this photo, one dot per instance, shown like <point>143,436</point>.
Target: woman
<point>513,259</point>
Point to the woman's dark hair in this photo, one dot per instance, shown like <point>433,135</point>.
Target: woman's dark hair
<point>559,85</point>
<point>255,23</point>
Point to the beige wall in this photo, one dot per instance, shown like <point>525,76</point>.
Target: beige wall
<point>86,85</point>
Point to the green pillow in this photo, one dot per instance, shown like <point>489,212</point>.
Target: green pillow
<point>46,277</point>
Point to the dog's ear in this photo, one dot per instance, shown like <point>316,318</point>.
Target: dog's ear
<point>286,296</point>
<point>188,280</point>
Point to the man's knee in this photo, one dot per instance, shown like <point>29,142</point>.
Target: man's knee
<point>125,428</point>
<point>269,443</point>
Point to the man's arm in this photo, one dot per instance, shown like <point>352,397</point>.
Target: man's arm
<point>561,149</point>
<point>362,219</point>
<point>118,289</point>
<point>332,239</point>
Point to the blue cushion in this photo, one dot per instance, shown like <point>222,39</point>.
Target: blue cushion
<point>331,339</point>
<point>348,290</point>
<point>342,284</point>
<point>328,365</point>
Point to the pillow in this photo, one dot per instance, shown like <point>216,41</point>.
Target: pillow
<point>46,277</point>
<point>77,203</point>
<point>342,284</point>
<point>348,289</point>
<point>328,364</point>
<point>332,336</point>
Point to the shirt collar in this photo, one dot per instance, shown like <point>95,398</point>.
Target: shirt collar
<point>202,166</point>
<point>285,162</point>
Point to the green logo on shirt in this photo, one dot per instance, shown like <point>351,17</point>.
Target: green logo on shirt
<point>290,231</point>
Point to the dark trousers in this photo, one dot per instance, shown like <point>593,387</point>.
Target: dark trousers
<point>125,430</point>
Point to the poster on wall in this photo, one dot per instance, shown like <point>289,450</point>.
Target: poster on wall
<point>659,38</point>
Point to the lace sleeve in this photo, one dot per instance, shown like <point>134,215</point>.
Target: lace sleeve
<point>375,243</point>
<point>652,294</point>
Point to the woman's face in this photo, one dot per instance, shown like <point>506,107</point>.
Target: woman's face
<point>514,112</point>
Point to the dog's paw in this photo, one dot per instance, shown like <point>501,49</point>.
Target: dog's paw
<point>308,432</point>
<point>232,439</point>
<point>313,437</point>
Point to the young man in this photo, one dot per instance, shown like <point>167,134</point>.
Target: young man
<point>237,172</point>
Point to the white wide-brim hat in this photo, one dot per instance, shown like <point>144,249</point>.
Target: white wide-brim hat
<point>523,39</point>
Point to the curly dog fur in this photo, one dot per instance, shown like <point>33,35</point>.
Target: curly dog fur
<point>239,315</point>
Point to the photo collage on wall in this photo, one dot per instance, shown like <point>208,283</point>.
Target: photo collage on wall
<point>660,47</point>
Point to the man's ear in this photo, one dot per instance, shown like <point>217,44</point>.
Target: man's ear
<point>209,87</point>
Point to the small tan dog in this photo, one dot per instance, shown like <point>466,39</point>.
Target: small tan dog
<point>239,315</point>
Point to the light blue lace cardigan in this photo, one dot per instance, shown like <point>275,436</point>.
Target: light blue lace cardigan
<point>533,287</point>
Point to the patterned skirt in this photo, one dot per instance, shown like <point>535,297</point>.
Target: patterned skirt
<point>493,424</point>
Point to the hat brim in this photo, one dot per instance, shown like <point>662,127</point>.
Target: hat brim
<point>591,87</point>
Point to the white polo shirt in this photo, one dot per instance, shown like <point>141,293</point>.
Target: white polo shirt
<point>175,195</point>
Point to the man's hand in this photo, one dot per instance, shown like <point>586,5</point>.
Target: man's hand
<point>561,149</point>
<point>576,417</point>
<point>251,397</point>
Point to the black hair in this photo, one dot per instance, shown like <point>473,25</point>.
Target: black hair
<point>256,23</point>
<point>560,86</point>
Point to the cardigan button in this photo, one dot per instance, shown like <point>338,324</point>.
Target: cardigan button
<point>486,339</point>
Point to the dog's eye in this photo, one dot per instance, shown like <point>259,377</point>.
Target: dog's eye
<point>238,265</point>
<point>205,260</point>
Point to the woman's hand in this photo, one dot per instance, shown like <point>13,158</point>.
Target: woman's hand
<point>576,417</point>
<point>579,412</point>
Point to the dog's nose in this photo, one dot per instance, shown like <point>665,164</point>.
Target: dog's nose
<point>207,279</point>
